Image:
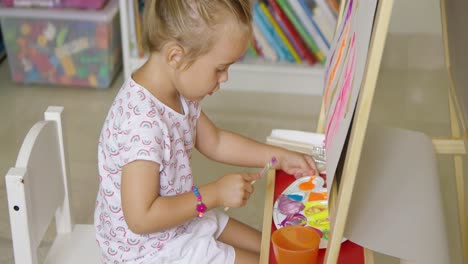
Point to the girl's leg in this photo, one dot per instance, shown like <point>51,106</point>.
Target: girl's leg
<point>245,240</point>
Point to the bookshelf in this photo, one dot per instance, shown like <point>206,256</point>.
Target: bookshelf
<point>250,75</point>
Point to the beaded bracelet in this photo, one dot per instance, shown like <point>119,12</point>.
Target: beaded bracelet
<point>201,207</point>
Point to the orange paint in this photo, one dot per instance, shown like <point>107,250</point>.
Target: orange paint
<point>317,196</point>
<point>337,64</point>
<point>308,185</point>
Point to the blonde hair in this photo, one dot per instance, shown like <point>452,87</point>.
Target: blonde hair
<point>190,23</point>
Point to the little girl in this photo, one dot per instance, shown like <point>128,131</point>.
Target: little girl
<point>147,209</point>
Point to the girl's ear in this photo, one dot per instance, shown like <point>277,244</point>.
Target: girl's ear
<point>174,54</point>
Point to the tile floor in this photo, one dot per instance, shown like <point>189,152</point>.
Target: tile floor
<point>408,98</point>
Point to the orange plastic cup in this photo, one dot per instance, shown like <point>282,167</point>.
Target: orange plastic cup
<point>295,244</point>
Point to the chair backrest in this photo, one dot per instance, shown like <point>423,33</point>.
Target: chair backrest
<point>37,187</point>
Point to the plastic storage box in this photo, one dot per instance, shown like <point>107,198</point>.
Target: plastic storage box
<point>85,4</point>
<point>71,47</point>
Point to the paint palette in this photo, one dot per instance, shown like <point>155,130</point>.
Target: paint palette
<point>304,203</point>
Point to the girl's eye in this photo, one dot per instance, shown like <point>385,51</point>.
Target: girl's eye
<point>221,69</point>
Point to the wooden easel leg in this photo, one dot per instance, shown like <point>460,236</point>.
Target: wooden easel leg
<point>368,256</point>
<point>459,180</point>
<point>460,183</point>
<point>267,214</point>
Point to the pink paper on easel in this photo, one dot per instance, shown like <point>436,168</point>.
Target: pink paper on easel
<point>344,75</point>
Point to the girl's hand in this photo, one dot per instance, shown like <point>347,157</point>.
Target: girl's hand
<point>296,164</point>
<point>235,189</point>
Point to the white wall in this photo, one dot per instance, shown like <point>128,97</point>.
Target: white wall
<point>416,16</point>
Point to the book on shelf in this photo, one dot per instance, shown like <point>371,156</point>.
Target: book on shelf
<point>292,31</point>
<point>135,17</point>
<point>2,46</point>
<point>263,45</point>
<point>280,35</point>
<point>138,6</point>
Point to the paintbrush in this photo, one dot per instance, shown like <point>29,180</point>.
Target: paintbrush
<point>263,172</point>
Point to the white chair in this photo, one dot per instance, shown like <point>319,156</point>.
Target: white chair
<point>37,189</point>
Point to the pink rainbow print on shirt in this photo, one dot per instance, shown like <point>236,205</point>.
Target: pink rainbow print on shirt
<point>122,230</point>
<point>142,95</point>
<point>156,245</point>
<point>136,110</point>
<point>158,140</point>
<point>115,209</point>
<point>133,242</point>
<point>112,233</point>
<point>141,248</point>
<point>111,251</point>
<point>152,113</point>
<point>161,110</point>
<point>108,193</point>
<point>146,124</point>
<point>135,138</point>
<point>121,248</point>
<point>164,236</point>
<point>143,152</point>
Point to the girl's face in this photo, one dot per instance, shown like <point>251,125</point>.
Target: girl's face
<point>204,76</point>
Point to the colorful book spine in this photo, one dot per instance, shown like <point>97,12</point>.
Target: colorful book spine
<point>138,29</point>
<point>277,30</point>
<point>132,30</point>
<point>257,47</point>
<point>301,30</point>
<point>269,33</point>
<point>267,50</point>
<point>305,15</point>
<point>293,35</point>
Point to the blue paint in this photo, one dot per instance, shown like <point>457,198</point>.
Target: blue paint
<point>295,197</point>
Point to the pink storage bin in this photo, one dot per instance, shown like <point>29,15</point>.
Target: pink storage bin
<point>81,4</point>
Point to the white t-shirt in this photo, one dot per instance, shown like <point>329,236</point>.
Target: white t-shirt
<point>140,127</point>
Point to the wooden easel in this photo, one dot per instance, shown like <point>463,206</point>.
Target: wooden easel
<point>456,144</point>
<point>340,199</point>
<point>455,39</point>
<point>339,208</point>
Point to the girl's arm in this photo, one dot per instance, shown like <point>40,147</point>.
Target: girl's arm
<point>227,147</point>
<point>145,211</point>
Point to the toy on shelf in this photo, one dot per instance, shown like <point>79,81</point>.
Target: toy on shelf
<point>80,51</point>
<point>83,4</point>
